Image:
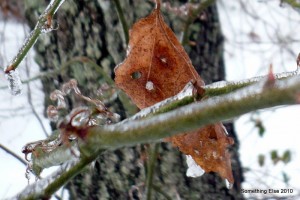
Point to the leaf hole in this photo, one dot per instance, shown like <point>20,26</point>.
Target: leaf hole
<point>136,75</point>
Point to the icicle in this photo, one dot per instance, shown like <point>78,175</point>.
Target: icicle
<point>228,184</point>
<point>14,82</point>
<point>194,170</point>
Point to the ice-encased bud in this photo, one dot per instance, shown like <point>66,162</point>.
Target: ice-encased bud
<point>14,82</point>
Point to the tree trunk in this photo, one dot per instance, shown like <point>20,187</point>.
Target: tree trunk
<point>91,28</point>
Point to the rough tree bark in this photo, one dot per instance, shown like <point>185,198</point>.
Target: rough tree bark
<point>90,28</point>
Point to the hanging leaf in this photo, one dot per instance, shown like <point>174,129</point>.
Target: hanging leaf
<point>286,157</point>
<point>157,67</point>
<point>274,157</point>
<point>261,160</point>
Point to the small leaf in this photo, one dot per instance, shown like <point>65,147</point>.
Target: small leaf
<point>261,160</point>
<point>274,156</point>
<point>286,178</point>
<point>260,126</point>
<point>286,158</point>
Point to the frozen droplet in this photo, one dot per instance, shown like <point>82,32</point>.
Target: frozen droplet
<point>163,60</point>
<point>14,82</point>
<point>46,29</point>
<point>194,170</point>
<point>99,120</point>
<point>128,50</point>
<point>59,96</point>
<point>149,85</point>
<point>228,184</point>
<point>52,113</point>
<point>80,118</point>
<point>116,117</point>
<point>67,87</point>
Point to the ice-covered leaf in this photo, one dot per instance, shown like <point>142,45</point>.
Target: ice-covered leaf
<point>208,147</point>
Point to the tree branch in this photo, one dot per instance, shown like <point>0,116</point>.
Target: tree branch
<point>185,97</point>
<point>153,129</point>
<point>7,150</point>
<point>44,24</point>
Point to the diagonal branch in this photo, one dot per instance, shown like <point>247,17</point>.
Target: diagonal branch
<point>44,24</point>
<point>186,118</point>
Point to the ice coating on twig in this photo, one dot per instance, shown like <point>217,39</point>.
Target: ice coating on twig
<point>193,170</point>
<point>221,84</point>
<point>52,4</point>
<point>36,189</point>
<point>14,82</point>
<point>187,91</point>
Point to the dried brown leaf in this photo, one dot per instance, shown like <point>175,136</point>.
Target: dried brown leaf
<point>157,67</point>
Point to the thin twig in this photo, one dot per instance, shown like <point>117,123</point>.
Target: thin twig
<point>29,98</point>
<point>159,190</point>
<point>10,152</point>
<point>122,20</point>
<point>65,66</point>
<point>44,24</point>
<point>150,169</point>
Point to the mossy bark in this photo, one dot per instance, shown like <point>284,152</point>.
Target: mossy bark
<point>90,28</point>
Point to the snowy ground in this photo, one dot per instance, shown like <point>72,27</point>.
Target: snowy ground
<point>257,34</point>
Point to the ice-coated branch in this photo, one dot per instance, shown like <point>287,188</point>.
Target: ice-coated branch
<point>186,118</point>
<point>185,97</point>
<point>43,25</point>
<point>192,116</point>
